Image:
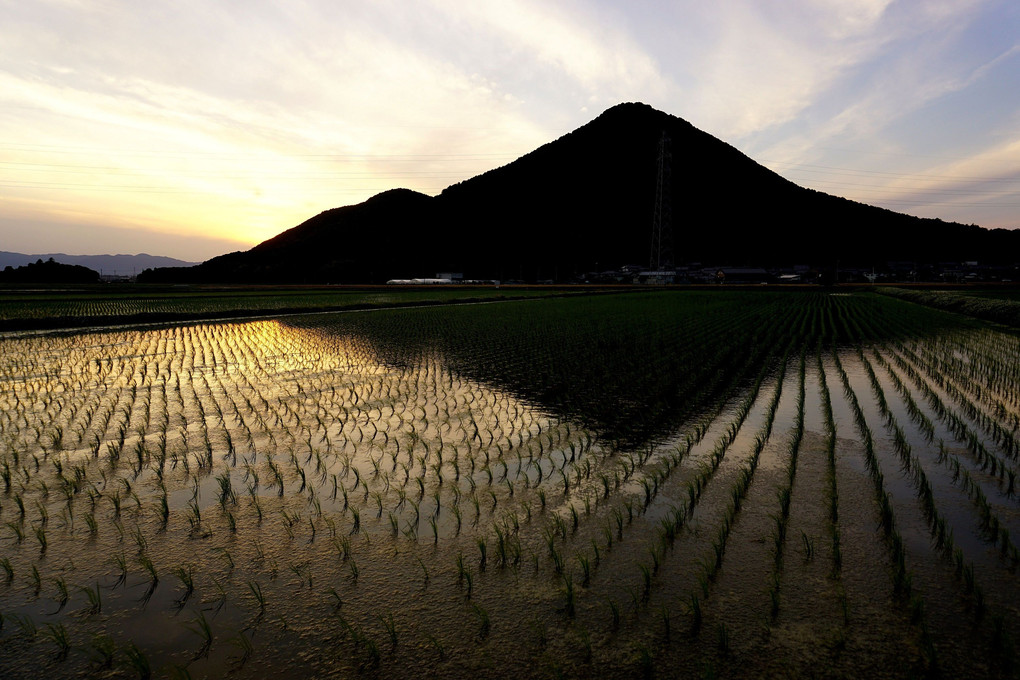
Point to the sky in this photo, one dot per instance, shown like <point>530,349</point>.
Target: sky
<point>191,128</point>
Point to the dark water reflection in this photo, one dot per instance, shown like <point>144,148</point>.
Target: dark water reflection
<point>630,367</point>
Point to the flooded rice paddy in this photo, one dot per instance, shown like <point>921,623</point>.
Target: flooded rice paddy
<point>664,484</point>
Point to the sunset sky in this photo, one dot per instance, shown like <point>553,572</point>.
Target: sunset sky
<point>193,128</point>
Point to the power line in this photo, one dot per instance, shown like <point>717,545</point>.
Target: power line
<point>858,172</point>
<point>902,189</point>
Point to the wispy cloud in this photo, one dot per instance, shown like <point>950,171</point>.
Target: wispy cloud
<point>875,126</point>
<point>243,119</point>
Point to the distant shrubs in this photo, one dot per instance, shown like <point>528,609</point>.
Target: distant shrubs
<point>49,271</point>
<point>1006,312</point>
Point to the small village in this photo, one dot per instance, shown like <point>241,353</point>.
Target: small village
<point>700,273</point>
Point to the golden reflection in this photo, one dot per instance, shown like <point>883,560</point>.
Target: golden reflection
<point>259,387</point>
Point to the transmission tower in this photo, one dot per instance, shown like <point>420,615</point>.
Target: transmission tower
<point>662,215</point>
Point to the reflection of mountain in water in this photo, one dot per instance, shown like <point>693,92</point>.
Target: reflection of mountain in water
<point>631,367</point>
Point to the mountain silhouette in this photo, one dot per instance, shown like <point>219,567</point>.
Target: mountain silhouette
<point>585,203</point>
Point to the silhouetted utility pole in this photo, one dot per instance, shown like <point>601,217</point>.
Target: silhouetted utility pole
<point>662,215</point>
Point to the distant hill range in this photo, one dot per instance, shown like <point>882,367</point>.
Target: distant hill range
<point>585,203</point>
<point>108,265</point>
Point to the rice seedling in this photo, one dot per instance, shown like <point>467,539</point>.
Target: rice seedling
<point>696,617</point>
<point>26,625</point>
<point>228,559</point>
<point>18,531</point>
<point>482,553</point>
<point>57,633</point>
<point>646,662</point>
<point>259,596</point>
<point>94,598</point>
<point>138,661</point>
<point>194,516</point>
<point>103,649</point>
<point>646,581</point>
<point>121,561</point>
<point>391,628</point>
<point>332,410</point>
<point>150,569</point>
<point>201,627</point>
<point>62,593</point>
<point>338,601</point>
<point>354,572</point>
<point>484,624</point>
<point>809,546</point>
<point>185,574</point>
<point>568,596</point>
<point>424,571</point>
<point>585,563</point>
<point>723,644</point>
<point>244,646</point>
<point>437,645</point>
<point>36,581</point>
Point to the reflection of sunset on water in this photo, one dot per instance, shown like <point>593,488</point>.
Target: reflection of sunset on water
<point>456,488</point>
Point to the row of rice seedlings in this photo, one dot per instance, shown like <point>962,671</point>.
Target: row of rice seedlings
<point>785,494</point>
<point>678,516</point>
<point>286,411</point>
<point>887,520</point>
<point>675,517</point>
<point>831,487</point>
<point>102,649</point>
<point>738,494</point>
<point>76,309</point>
<point>986,376</point>
<point>942,536</point>
<point>990,524</point>
<point>671,525</point>
<point>987,460</point>
<point>568,589</point>
<point>1003,438</point>
<point>971,366</point>
<point>991,527</point>
<point>995,377</point>
<point>741,486</point>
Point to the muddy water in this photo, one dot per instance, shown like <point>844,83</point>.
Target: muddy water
<point>809,627</point>
<point>876,620</point>
<point>931,574</point>
<point>331,506</point>
<point>738,599</point>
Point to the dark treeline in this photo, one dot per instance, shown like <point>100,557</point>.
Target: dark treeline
<point>48,272</point>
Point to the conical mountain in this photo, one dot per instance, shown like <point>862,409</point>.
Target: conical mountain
<point>585,203</point>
